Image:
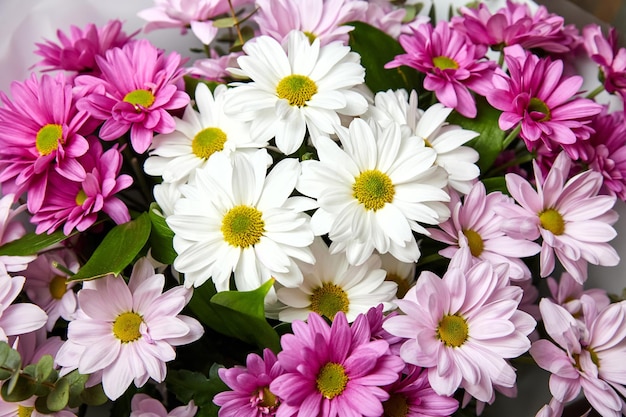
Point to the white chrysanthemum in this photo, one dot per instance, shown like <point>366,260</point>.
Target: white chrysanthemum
<point>430,125</point>
<point>373,192</point>
<point>199,135</point>
<point>304,86</point>
<point>333,285</point>
<point>232,218</point>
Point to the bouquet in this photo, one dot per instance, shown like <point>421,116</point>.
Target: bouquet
<point>332,208</point>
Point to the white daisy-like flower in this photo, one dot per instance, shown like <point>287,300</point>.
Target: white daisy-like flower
<point>198,135</point>
<point>333,285</point>
<point>299,87</point>
<point>372,193</point>
<point>447,140</point>
<point>234,218</point>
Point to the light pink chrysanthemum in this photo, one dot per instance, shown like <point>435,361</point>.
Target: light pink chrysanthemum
<point>463,328</point>
<point>143,405</point>
<point>386,16</point>
<point>138,85</point>
<point>77,204</point>
<point>574,222</point>
<point>40,130</point>
<point>319,19</point>
<point>585,357</point>
<point>47,286</point>
<point>537,95</point>
<point>20,318</point>
<point>250,385</point>
<point>11,228</point>
<point>27,408</point>
<point>128,331</point>
<point>197,15</point>
<point>452,63</point>
<point>567,293</point>
<point>607,53</point>
<point>515,24</point>
<point>335,370</point>
<point>474,227</point>
<point>78,50</point>
<point>214,68</point>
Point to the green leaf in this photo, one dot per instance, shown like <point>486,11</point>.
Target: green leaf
<point>44,368</point>
<point>161,237</point>
<point>59,396</point>
<point>32,243</point>
<point>238,314</point>
<point>117,250</point>
<point>19,388</point>
<point>225,22</point>
<point>10,360</point>
<point>495,184</point>
<point>192,82</point>
<point>376,49</point>
<point>489,143</point>
<point>188,385</point>
<point>94,395</point>
<point>76,383</point>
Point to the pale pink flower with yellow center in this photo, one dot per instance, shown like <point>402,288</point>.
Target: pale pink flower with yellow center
<point>143,405</point>
<point>19,318</point>
<point>568,293</point>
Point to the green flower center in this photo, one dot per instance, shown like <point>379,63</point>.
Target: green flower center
<point>23,411</point>
<point>452,330</point>
<point>594,358</point>
<point>474,241</point>
<point>143,98</point>
<point>444,63</point>
<point>126,326</point>
<point>331,380</point>
<point>296,89</point>
<point>81,197</point>
<point>208,141</point>
<point>243,226</point>
<point>552,220</point>
<point>57,287</point>
<point>266,399</point>
<point>48,138</point>
<point>403,284</point>
<point>396,406</point>
<point>537,105</point>
<point>373,189</point>
<point>328,300</point>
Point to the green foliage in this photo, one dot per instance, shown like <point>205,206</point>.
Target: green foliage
<point>161,237</point>
<point>117,250</point>
<point>495,184</point>
<point>31,243</point>
<point>187,385</point>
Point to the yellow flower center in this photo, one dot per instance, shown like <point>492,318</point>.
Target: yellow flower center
<point>243,226</point>
<point>331,380</point>
<point>81,197</point>
<point>48,138</point>
<point>444,63</point>
<point>208,141</point>
<point>143,98</point>
<point>23,411</point>
<point>296,89</point>
<point>311,37</point>
<point>537,105</point>
<point>328,300</point>
<point>396,406</point>
<point>126,327</point>
<point>373,189</point>
<point>552,220</point>
<point>266,398</point>
<point>474,241</point>
<point>57,287</point>
<point>403,284</point>
<point>452,330</point>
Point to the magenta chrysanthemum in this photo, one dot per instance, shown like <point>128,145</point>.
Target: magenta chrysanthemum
<point>40,130</point>
<point>78,50</point>
<point>539,97</point>
<point>138,85</point>
<point>250,395</point>
<point>607,53</point>
<point>77,204</point>
<point>333,371</point>
<point>574,222</point>
<point>452,63</point>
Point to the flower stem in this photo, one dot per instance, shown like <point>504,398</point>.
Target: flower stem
<point>232,11</point>
<point>595,92</point>
<point>511,136</point>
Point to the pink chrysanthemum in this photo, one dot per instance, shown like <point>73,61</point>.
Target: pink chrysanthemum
<point>77,204</point>
<point>607,53</point>
<point>20,318</point>
<point>78,50</point>
<point>474,227</point>
<point>128,331</point>
<point>138,85</point>
<point>574,222</point>
<point>412,396</point>
<point>40,131</point>
<point>605,152</point>
<point>463,327</point>
<point>143,405</point>
<point>47,286</point>
<point>588,357</point>
<point>319,19</point>
<point>11,228</point>
<point>537,95</point>
<point>568,293</point>
<point>250,395</point>
<point>333,371</point>
<point>515,24</point>
<point>214,68</point>
<point>452,63</point>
